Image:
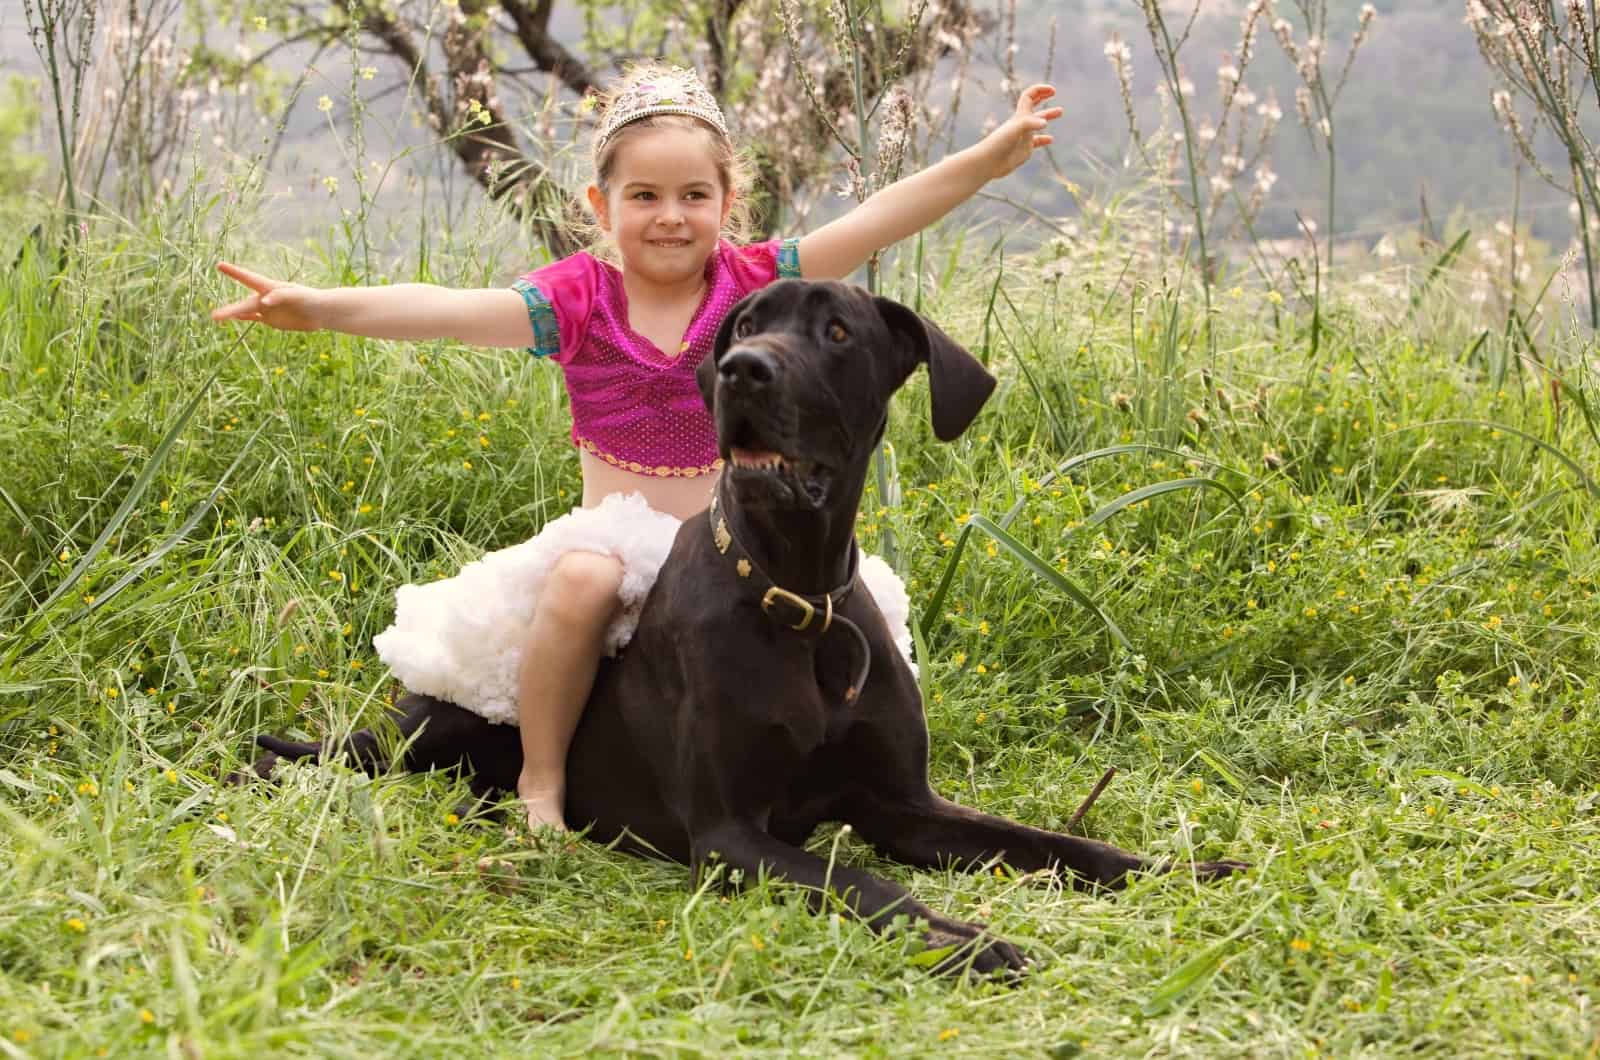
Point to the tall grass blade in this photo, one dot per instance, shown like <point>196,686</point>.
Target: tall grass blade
<point>931,614</point>
<point>1440,264</point>
<point>887,475</point>
<point>25,586</point>
<point>22,517</point>
<point>1067,466</point>
<point>125,509</point>
<point>172,541</point>
<point>1198,969</point>
<point>1576,468</point>
<point>1155,489</point>
<point>1029,559</point>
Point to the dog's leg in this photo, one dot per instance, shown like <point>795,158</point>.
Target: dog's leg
<point>361,748</point>
<point>932,831</point>
<point>743,846</point>
<point>260,769</point>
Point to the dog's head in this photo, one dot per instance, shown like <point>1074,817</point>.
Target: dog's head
<point>799,380</point>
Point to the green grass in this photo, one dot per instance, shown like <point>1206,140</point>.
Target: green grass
<point>1376,689</point>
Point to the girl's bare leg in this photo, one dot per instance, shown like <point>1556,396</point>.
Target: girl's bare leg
<point>559,661</point>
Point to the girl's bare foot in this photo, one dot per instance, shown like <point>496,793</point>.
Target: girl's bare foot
<point>543,803</point>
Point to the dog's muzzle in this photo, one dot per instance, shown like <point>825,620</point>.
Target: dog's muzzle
<point>747,368</point>
<point>757,430</point>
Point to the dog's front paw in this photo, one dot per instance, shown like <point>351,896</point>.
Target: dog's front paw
<point>972,950</point>
<point>1206,871</point>
<point>260,769</point>
<point>1112,867</point>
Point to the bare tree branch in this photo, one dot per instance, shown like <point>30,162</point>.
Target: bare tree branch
<point>721,14</point>
<point>547,53</point>
<point>475,128</point>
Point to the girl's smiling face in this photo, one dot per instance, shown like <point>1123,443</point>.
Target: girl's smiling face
<point>665,203</point>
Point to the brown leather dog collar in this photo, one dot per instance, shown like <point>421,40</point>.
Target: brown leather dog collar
<point>812,615</point>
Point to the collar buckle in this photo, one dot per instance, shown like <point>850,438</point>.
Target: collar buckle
<point>777,594</point>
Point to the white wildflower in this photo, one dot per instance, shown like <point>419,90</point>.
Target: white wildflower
<point>1302,104</point>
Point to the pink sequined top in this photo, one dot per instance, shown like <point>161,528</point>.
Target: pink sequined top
<point>634,405</point>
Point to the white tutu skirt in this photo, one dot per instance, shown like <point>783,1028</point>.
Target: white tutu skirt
<point>460,639</point>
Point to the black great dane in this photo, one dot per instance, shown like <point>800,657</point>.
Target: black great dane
<point>762,693</point>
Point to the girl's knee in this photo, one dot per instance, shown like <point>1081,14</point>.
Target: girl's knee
<point>583,586</point>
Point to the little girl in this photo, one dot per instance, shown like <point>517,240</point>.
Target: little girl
<point>518,635</point>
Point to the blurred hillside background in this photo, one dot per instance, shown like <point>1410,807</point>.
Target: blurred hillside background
<point>1418,141</point>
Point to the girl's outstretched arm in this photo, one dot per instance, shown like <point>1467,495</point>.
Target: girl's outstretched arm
<point>484,317</point>
<point>907,206</point>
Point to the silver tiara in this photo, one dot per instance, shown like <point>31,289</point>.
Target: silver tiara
<point>671,90</point>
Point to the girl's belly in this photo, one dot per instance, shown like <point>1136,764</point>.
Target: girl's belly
<point>680,497</point>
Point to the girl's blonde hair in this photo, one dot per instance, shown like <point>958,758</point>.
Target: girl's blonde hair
<point>733,170</point>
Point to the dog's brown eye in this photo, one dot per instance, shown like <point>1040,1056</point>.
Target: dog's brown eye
<point>837,333</point>
<point>743,328</point>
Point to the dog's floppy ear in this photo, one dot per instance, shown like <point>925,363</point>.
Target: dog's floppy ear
<point>957,383</point>
<point>706,374</point>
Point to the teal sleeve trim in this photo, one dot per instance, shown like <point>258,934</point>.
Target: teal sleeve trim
<point>542,315</point>
<point>789,259</point>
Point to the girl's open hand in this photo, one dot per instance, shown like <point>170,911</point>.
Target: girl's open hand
<point>286,306</point>
<point>1010,145</point>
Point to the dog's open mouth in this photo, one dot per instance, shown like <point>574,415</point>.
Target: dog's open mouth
<point>805,481</point>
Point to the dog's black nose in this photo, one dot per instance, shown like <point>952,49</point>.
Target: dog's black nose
<point>748,366</point>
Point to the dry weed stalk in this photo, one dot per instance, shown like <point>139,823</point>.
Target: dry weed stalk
<point>1212,156</point>
<point>1316,96</point>
<point>62,32</point>
<point>1547,54</point>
